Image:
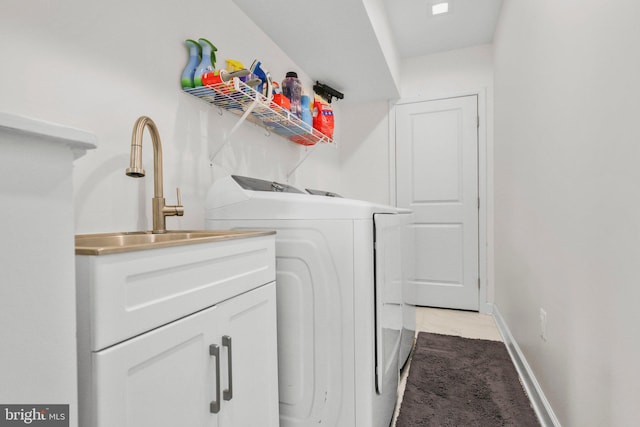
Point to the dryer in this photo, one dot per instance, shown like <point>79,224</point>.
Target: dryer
<point>400,293</point>
<point>407,243</point>
<point>339,304</point>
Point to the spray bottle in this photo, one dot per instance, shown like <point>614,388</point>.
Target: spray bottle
<point>234,65</point>
<point>265,87</point>
<point>194,59</point>
<point>208,62</point>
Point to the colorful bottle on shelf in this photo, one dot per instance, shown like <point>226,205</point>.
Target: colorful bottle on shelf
<point>235,65</point>
<point>207,63</point>
<point>194,59</point>
<point>305,103</point>
<point>292,89</point>
<point>323,116</point>
<point>265,87</point>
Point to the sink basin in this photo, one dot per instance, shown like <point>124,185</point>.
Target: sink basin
<point>109,243</point>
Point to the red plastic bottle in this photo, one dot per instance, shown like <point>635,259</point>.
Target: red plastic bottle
<point>323,116</point>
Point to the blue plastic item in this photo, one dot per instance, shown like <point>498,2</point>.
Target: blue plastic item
<point>257,71</point>
<point>208,62</point>
<point>307,118</point>
<point>194,59</point>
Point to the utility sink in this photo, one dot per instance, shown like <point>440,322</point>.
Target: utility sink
<point>110,243</point>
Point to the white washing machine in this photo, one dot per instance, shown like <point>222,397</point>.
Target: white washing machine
<point>340,312</point>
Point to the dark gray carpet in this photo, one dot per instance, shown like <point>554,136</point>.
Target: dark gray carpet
<point>462,382</point>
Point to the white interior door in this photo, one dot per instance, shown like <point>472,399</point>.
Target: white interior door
<point>437,177</point>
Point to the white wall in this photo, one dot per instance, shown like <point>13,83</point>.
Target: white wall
<point>100,65</point>
<point>448,73</point>
<point>567,150</point>
<point>377,13</point>
<point>364,153</point>
<point>365,133</point>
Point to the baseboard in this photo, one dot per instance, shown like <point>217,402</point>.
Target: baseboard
<point>486,308</point>
<point>539,402</point>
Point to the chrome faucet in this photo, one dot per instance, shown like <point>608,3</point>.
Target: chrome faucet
<point>160,210</point>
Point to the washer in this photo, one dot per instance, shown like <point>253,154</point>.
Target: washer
<point>340,313</point>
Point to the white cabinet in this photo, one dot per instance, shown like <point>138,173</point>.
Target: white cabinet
<point>213,367</point>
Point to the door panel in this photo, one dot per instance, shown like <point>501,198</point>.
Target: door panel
<point>442,253</point>
<point>435,166</point>
<point>164,378</point>
<point>437,177</point>
<point>248,359</point>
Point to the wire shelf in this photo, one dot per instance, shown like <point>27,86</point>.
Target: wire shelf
<point>236,97</point>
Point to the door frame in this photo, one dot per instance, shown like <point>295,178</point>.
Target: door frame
<point>485,184</point>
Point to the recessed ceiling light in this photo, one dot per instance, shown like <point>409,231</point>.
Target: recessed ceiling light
<point>439,8</point>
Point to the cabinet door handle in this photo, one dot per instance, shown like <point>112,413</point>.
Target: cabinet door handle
<point>228,393</point>
<point>214,351</point>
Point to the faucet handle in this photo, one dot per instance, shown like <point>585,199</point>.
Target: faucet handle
<point>169,210</point>
<point>179,198</point>
<point>177,210</point>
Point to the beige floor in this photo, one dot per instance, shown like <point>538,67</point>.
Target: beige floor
<point>450,322</point>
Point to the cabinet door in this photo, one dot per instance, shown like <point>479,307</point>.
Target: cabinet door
<point>164,378</point>
<point>250,375</point>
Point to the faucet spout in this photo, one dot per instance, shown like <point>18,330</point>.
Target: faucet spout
<point>135,170</point>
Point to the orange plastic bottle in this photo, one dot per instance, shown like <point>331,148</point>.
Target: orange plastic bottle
<point>323,116</point>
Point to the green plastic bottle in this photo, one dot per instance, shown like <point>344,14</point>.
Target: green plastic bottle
<point>194,60</point>
<point>207,63</point>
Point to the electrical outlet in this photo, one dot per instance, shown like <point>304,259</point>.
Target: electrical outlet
<point>543,324</point>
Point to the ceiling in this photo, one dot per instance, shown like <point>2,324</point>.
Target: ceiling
<point>417,32</point>
<point>357,46</point>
